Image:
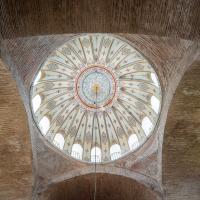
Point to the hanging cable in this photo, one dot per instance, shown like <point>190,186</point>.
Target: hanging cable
<point>95,162</point>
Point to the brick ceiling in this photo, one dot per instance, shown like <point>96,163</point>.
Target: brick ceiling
<point>158,17</point>
<point>181,164</point>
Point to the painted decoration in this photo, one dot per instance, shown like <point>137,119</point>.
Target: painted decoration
<point>96,91</point>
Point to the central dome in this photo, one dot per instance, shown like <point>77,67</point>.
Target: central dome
<point>96,98</point>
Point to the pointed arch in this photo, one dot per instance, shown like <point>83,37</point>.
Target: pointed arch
<point>44,125</point>
<point>96,154</point>
<point>154,79</point>
<point>115,151</point>
<point>36,102</point>
<point>59,141</point>
<point>77,151</point>
<point>155,104</point>
<point>133,142</point>
<point>147,125</point>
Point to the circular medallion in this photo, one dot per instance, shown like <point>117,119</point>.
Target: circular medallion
<point>96,88</point>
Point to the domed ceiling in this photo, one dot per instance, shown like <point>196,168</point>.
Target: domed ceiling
<point>96,98</point>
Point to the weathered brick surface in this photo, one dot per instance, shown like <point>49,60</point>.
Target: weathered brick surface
<point>170,57</point>
<point>108,187</point>
<point>181,148</point>
<point>15,146</point>
<point>175,18</point>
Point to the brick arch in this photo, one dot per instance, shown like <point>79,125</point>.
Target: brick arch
<point>147,181</point>
<point>109,186</point>
<point>181,146</point>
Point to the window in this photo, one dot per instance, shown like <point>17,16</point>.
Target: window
<point>77,151</point>
<point>115,151</point>
<point>155,103</point>
<point>36,102</point>
<point>147,125</point>
<point>96,154</point>
<point>59,141</point>
<point>37,78</point>
<point>154,79</point>
<point>133,142</point>
<point>44,125</point>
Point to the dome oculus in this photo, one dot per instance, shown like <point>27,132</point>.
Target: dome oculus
<point>96,92</point>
